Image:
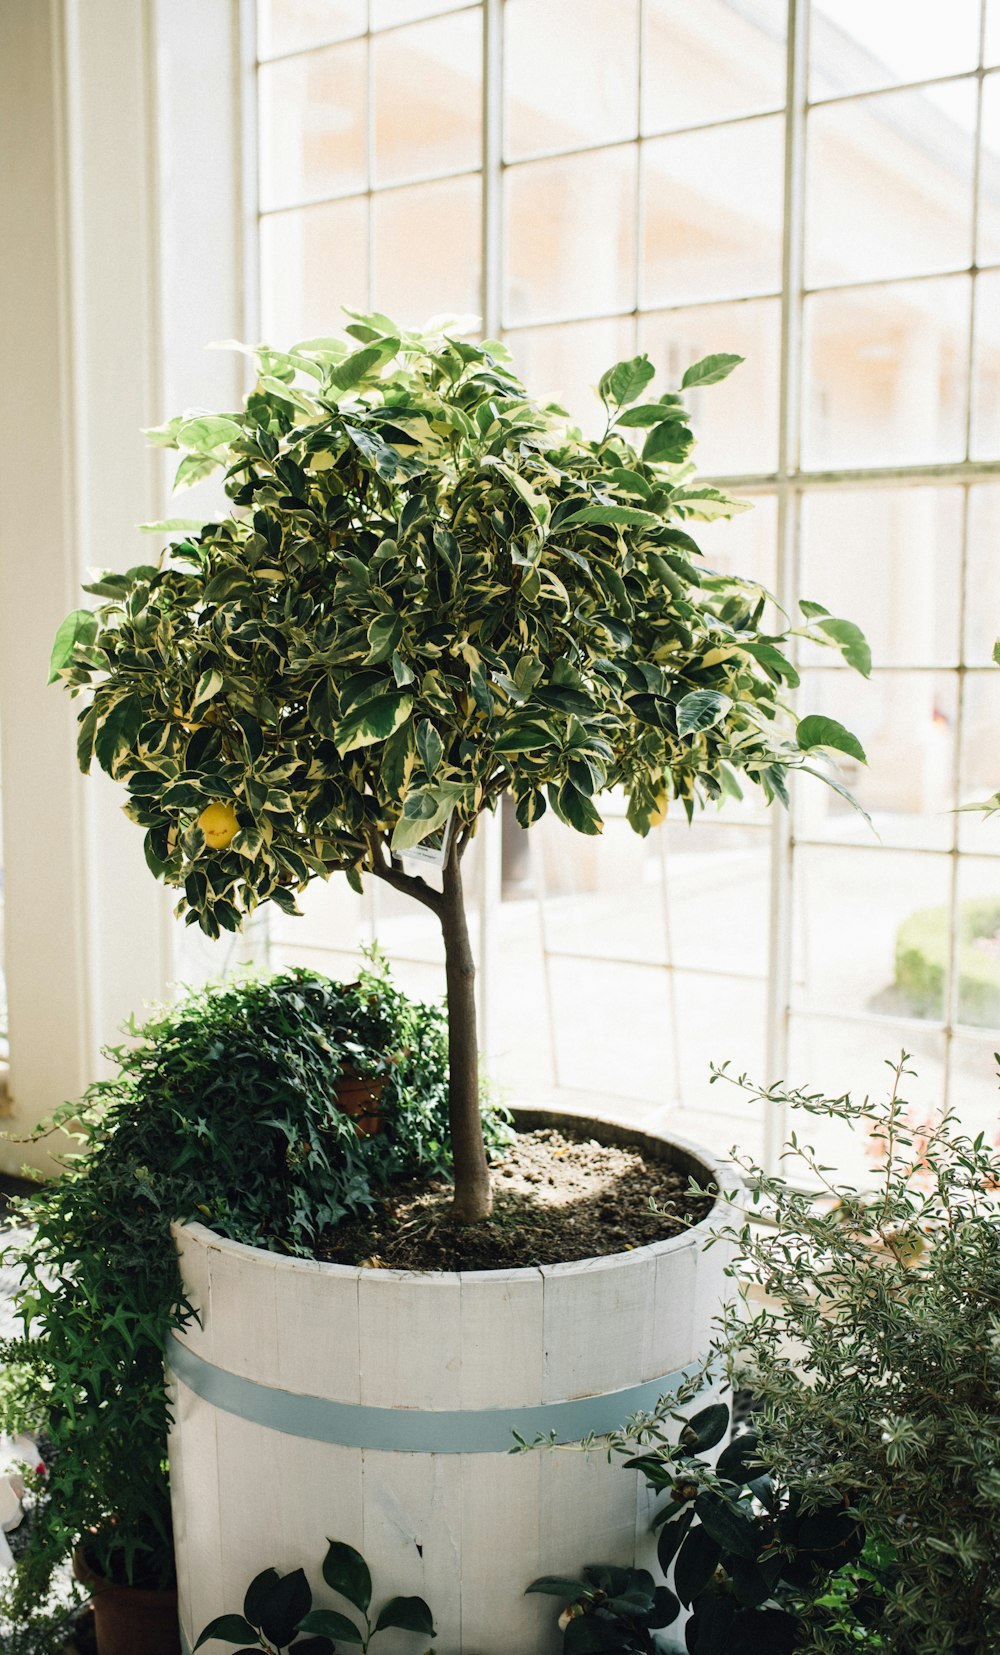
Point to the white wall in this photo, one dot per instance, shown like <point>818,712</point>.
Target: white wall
<point>121,209</point>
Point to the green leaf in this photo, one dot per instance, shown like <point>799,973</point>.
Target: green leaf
<point>192,469</point>
<point>426,810</point>
<point>321,708</point>
<point>810,609</point>
<point>78,628</point>
<point>671,1536</point>
<point>818,731</point>
<point>705,1429</point>
<point>651,413</point>
<point>710,370</point>
<point>258,1592</point>
<point>614,516</point>
<point>996,652</point>
<point>668,443</point>
<point>409,1614</point>
<point>285,1606</point>
<point>232,1629</point>
<point>207,432</point>
<point>525,740</point>
<point>85,739</point>
<point>354,368</point>
<point>430,747</point>
<point>700,710</point>
<point>696,1563</point>
<point>586,1635</point>
<point>557,1586</point>
<point>331,1624</point>
<point>576,810</point>
<point>851,642</point>
<point>165,435</point>
<point>383,636</point>
<point>174,525</point>
<point>373,721</point>
<point>117,734</point>
<point>729,1524</point>
<point>709,503</point>
<point>625,381</point>
<point>209,685</point>
<point>345,1571</point>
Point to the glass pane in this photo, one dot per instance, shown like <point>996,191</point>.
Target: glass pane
<point>853,1057</point>
<point>745,545</point>
<point>313,126</point>
<point>906,723</point>
<point>886,372</point>
<point>711,62</point>
<point>612,1029</point>
<point>976,988</point>
<point>989,175</point>
<point>719,1018</point>
<point>848,910</point>
<point>986,369</point>
<point>991,53</point>
<point>712,213</point>
<point>565,363</point>
<point>980,777</point>
<point>427,251</point>
<point>973,1083</point>
<point>570,74</point>
<point>890,560</point>
<point>736,422</point>
<point>388,14</point>
<point>571,236</point>
<point>291,25</point>
<point>428,98</point>
<point>715,911</point>
<point>856,46</point>
<point>311,263</point>
<point>890,185</point>
<point>602,898</point>
<point>982,607</point>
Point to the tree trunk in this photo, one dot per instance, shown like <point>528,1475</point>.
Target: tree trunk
<point>473,1194</point>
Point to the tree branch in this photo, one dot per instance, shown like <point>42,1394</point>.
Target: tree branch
<point>410,884</point>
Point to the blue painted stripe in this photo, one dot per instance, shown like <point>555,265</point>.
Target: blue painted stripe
<point>414,1430</point>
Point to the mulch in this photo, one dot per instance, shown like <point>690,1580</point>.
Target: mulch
<point>557,1198</point>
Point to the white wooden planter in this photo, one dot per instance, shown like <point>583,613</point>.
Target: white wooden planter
<point>322,1401</point>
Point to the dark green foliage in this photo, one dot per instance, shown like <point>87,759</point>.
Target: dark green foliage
<point>221,1111</point>
<point>278,1607</point>
<point>749,1558</point>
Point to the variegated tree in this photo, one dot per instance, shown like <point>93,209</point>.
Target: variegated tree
<point>430,591</point>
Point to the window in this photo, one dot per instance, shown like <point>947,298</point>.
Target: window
<point>818,189</point>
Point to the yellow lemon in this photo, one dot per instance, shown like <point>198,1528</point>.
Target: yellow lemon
<point>659,814</point>
<point>219,825</point>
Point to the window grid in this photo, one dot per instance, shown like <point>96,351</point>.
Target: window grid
<point>789,482</point>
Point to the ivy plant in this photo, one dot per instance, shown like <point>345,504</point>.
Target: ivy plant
<point>221,1109</point>
<point>430,591</point>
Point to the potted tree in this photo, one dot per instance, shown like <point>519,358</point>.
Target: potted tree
<point>431,591</point>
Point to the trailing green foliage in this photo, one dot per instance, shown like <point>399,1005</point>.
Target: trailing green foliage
<point>431,590</point>
<point>278,1607</point>
<point>222,1109</point>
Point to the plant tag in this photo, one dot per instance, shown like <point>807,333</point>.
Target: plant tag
<point>432,851</point>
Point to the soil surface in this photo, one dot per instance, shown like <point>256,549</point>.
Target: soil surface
<point>556,1198</point>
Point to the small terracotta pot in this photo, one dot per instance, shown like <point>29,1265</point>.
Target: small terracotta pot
<point>358,1097</point>
<point>129,1620</point>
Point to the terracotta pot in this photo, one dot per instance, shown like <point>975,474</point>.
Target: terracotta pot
<point>129,1620</point>
<point>358,1097</point>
